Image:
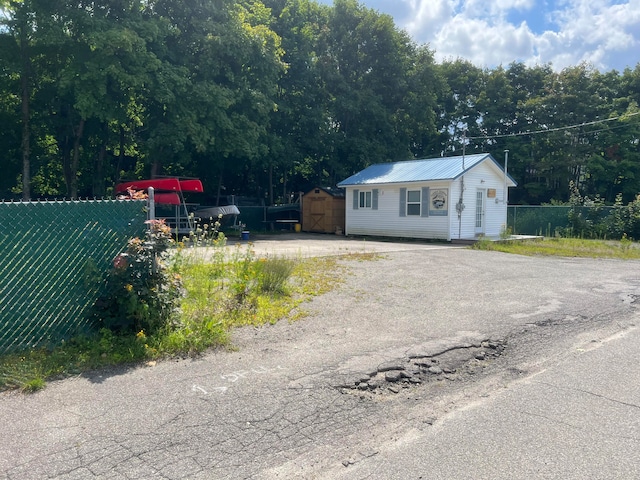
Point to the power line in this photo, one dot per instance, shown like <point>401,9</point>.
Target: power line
<point>591,132</point>
<point>558,129</point>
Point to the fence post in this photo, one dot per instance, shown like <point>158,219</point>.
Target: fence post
<point>151,204</point>
<point>152,216</point>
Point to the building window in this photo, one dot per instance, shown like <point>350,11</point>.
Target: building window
<point>413,202</point>
<point>365,200</point>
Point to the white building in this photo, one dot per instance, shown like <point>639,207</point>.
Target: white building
<point>446,198</point>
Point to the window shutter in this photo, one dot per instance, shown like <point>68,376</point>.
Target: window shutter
<point>403,202</point>
<point>425,202</point>
<point>356,199</point>
<point>374,199</point>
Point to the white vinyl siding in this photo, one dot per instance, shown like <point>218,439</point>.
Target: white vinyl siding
<point>388,221</point>
<point>485,178</point>
<point>393,219</point>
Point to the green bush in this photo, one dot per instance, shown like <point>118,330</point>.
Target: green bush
<point>140,292</point>
<point>587,218</point>
<point>483,243</point>
<point>624,221</point>
<point>273,274</point>
<point>241,271</point>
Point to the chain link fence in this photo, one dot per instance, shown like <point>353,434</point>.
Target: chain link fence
<point>54,257</point>
<point>537,220</point>
<point>551,220</point>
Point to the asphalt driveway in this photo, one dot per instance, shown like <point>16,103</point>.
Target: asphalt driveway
<point>418,348</point>
<point>313,244</point>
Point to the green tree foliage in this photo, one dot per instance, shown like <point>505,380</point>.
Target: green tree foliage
<point>266,97</point>
<point>221,65</point>
<point>168,83</point>
<point>299,124</point>
<point>459,113</point>
<point>366,68</point>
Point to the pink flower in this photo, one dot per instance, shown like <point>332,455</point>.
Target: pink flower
<point>120,262</point>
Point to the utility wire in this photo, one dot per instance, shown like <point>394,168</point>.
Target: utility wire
<point>558,129</point>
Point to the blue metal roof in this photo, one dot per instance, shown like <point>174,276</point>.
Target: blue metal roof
<point>428,169</point>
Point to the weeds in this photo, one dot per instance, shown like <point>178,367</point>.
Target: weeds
<point>483,243</point>
<point>273,274</point>
<point>587,217</point>
<point>566,247</point>
<point>34,385</point>
<point>505,233</point>
<point>224,287</point>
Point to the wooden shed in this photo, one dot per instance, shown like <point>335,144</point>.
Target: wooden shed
<point>323,210</point>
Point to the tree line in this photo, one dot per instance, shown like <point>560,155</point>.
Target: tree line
<point>262,98</point>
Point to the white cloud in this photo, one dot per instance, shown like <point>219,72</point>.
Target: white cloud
<point>427,16</point>
<point>482,43</point>
<point>596,30</point>
<point>497,9</point>
<point>591,32</point>
<point>603,32</point>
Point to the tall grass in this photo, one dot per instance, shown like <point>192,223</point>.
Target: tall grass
<point>224,287</point>
<point>566,247</point>
<point>273,275</point>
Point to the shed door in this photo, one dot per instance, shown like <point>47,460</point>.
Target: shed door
<point>480,207</point>
<point>318,214</point>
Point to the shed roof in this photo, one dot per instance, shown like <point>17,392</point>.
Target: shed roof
<point>334,192</point>
<point>428,169</point>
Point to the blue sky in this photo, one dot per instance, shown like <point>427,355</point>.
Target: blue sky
<point>605,33</point>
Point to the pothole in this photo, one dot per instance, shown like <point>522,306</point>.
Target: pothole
<point>392,377</point>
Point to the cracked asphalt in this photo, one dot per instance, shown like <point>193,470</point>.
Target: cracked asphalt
<point>535,375</point>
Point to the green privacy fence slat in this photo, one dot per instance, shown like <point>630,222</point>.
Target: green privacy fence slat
<point>53,260</point>
<point>545,219</point>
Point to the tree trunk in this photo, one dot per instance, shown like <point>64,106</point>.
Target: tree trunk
<point>219,188</point>
<point>65,149</point>
<point>98,165</point>
<point>26,142</point>
<point>120,156</point>
<point>73,190</point>
<point>271,184</point>
<point>156,166</point>
<point>285,198</point>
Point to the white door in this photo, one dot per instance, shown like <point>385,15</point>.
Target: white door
<point>480,211</point>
